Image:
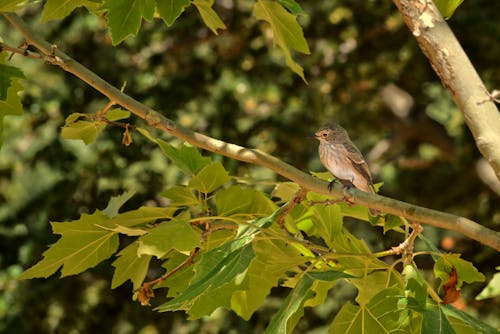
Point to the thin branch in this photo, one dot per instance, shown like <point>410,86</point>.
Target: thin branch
<point>461,225</point>
<point>297,198</point>
<point>457,74</point>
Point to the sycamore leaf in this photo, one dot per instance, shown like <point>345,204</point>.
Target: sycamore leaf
<point>187,158</point>
<point>292,309</point>
<point>117,114</point>
<point>7,74</point>
<point>435,321</point>
<point>328,222</point>
<point>464,269</point>
<point>125,16</point>
<point>380,315</point>
<point>209,16</point>
<point>210,178</point>
<point>130,265</point>
<point>181,195</point>
<point>492,289</point>
<point>287,32</point>
<point>83,244</point>
<point>464,323</point>
<point>59,9</point>
<point>273,259</point>
<point>116,202</point>
<point>170,10</point>
<point>145,214</point>
<point>238,200</point>
<point>447,7</point>
<point>82,130</point>
<point>12,105</point>
<point>217,274</point>
<point>133,232</point>
<point>178,235</point>
<point>292,6</point>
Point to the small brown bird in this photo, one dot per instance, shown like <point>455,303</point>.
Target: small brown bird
<point>343,159</point>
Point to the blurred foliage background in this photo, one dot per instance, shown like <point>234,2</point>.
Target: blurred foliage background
<point>365,72</point>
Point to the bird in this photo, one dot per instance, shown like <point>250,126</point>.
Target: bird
<point>343,159</point>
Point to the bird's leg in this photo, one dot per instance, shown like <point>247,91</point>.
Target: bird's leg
<point>332,184</point>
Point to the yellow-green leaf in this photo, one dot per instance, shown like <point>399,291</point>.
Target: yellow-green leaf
<point>130,266</point>
<point>287,32</point>
<point>209,16</point>
<point>83,244</point>
<point>170,10</point>
<point>210,178</point>
<point>83,130</point>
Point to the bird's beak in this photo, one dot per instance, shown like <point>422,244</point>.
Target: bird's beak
<point>313,136</point>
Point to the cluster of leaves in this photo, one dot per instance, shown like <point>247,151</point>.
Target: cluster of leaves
<point>228,245</point>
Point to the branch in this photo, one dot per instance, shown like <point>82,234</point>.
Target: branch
<point>457,74</point>
<point>461,225</point>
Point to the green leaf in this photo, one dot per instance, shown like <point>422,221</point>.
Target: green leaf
<point>292,309</point>
<point>287,32</point>
<point>492,289</point>
<point>82,130</point>
<point>170,10</point>
<point>12,5</point>
<point>116,202</point>
<point>144,214</point>
<point>178,235</point>
<point>59,9</point>
<point>187,158</point>
<point>467,321</point>
<point>180,281</point>
<point>7,74</point>
<point>125,16</point>
<point>83,244</point>
<point>181,195</point>
<point>209,16</point>
<point>285,190</point>
<point>392,222</point>
<point>12,105</point>
<point>380,315</point>
<point>328,222</point>
<point>130,266</point>
<point>210,178</point>
<point>217,275</point>
<point>236,199</point>
<point>465,270</point>
<point>117,114</point>
<point>447,7</point>
<point>292,6</point>
<point>273,259</point>
<point>435,319</point>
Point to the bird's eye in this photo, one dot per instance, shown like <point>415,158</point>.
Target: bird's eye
<point>325,134</point>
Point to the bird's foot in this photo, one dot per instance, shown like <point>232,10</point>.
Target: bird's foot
<point>332,184</point>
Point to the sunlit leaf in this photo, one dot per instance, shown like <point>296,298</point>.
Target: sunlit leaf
<point>57,9</point>
<point>181,195</point>
<point>447,7</point>
<point>170,10</point>
<point>12,105</point>
<point>117,114</point>
<point>12,5</point>
<point>83,244</point>
<point>116,202</point>
<point>187,158</point>
<point>492,289</point>
<point>287,32</point>
<point>125,16</point>
<point>464,269</point>
<point>7,74</point>
<point>145,214</point>
<point>210,178</point>
<point>130,266</point>
<point>209,16</point>
<point>160,240</point>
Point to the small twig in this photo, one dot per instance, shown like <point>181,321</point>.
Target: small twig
<point>493,96</point>
<point>328,201</point>
<point>104,110</point>
<point>21,51</point>
<point>145,291</point>
<point>297,198</point>
<point>406,246</point>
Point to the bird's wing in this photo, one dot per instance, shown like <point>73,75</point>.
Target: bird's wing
<point>358,161</point>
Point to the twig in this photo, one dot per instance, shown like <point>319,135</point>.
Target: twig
<point>297,198</point>
<point>145,291</point>
<point>155,119</point>
<point>406,246</point>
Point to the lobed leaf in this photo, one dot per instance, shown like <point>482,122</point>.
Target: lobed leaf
<point>170,10</point>
<point>160,240</point>
<point>465,270</point>
<point>57,9</point>
<point>209,178</point>
<point>130,266</point>
<point>209,16</point>
<point>83,244</point>
<point>7,75</point>
<point>287,32</point>
<point>187,158</point>
<point>82,130</point>
<point>125,16</point>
